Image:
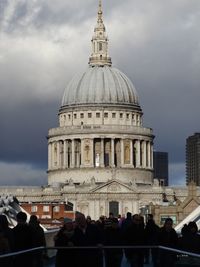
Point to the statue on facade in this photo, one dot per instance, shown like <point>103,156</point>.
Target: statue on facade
<point>164,197</point>
<point>93,180</point>
<point>71,182</point>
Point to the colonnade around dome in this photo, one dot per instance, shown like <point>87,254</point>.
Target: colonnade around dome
<point>100,152</point>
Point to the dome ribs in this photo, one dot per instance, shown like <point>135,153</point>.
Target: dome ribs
<point>101,85</point>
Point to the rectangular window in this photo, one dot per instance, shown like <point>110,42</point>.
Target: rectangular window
<point>113,115</point>
<point>106,115</point>
<point>34,209</point>
<point>75,116</point>
<point>89,115</point>
<point>46,208</point>
<point>121,115</point>
<point>82,115</point>
<point>98,115</point>
<point>56,209</point>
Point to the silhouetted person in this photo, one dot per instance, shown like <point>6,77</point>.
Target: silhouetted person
<point>38,240</point>
<point>135,236</point>
<point>127,221</point>
<point>6,241</point>
<point>167,238</point>
<point>190,240</point>
<point>64,238</point>
<point>23,238</point>
<point>151,239</point>
<point>87,235</point>
<point>113,237</point>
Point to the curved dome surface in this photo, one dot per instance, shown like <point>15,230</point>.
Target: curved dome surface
<point>100,85</point>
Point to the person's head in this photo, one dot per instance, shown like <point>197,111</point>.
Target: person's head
<point>111,215</point>
<point>81,221</point>
<point>21,217</point>
<point>115,223</point>
<point>88,219</point>
<point>192,227</point>
<point>129,215</point>
<point>3,222</point>
<point>33,219</point>
<point>184,229</point>
<point>137,219</point>
<point>102,218</point>
<point>68,224</point>
<point>168,224</point>
<point>150,217</point>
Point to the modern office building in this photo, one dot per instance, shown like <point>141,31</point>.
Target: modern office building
<point>193,159</point>
<point>160,165</point>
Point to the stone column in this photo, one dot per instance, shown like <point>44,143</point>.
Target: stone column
<point>131,152</point>
<point>49,156</point>
<point>122,152</point>
<point>138,153</point>
<point>102,153</point>
<point>149,154</point>
<point>135,206</point>
<point>53,154</point>
<point>144,154</point>
<point>92,153</point>
<point>58,154</point>
<point>65,154</point>
<point>78,155</point>
<point>112,152</point>
<point>73,154</point>
<point>82,153</point>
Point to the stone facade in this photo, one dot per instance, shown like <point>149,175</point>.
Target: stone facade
<point>97,199</point>
<point>101,152</point>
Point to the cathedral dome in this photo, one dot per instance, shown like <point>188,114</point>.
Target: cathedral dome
<point>100,85</point>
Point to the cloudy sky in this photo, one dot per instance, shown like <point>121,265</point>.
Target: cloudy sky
<point>43,43</point>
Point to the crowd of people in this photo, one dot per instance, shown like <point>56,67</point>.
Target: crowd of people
<point>86,242</point>
<point>25,235</point>
<point>119,233</point>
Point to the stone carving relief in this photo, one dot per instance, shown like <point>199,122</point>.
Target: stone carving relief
<point>87,151</point>
<point>93,180</point>
<point>113,188</point>
<point>71,182</point>
<point>127,152</point>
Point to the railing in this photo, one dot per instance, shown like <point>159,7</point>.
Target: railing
<point>158,254</point>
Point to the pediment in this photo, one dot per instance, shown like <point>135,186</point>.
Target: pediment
<point>192,205</point>
<point>190,202</point>
<point>113,186</point>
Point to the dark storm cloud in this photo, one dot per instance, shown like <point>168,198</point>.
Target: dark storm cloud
<point>23,133</point>
<point>44,43</point>
<point>20,16</point>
